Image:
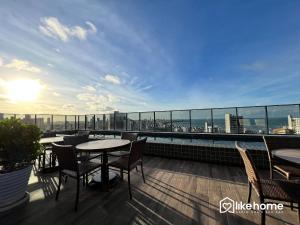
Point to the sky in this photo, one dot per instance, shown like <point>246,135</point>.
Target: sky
<point>91,56</point>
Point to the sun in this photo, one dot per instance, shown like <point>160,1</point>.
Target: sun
<point>23,90</point>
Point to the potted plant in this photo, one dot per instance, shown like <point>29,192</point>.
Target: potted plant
<point>19,147</point>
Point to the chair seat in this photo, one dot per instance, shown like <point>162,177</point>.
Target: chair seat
<point>82,168</point>
<point>289,171</point>
<point>119,153</point>
<point>122,163</point>
<point>281,190</point>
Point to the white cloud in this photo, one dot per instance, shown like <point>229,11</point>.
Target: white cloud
<point>145,88</point>
<point>98,102</point>
<point>92,26</point>
<point>112,79</point>
<point>256,66</point>
<point>89,88</point>
<point>21,65</point>
<point>56,94</point>
<point>53,28</point>
<point>1,61</point>
<point>50,65</point>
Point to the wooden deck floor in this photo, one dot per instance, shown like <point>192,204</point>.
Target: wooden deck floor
<point>176,192</point>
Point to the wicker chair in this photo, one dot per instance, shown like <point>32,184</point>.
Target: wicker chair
<point>131,161</point>
<point>125,136</point>
<point>273,143</point>
<point>69,166</point>
<point>76,140</point>
<point>280,190</point>
<point>83,133</point>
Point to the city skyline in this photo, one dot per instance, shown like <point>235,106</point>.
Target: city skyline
<point>81,57</point>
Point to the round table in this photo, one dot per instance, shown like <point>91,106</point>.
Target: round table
<point>49,140</point>
<point>288,154</point>
<point>103,146</point>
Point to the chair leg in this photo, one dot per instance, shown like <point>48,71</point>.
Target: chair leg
<point>291,204</point>
<point>136,168</point>
<point>77,193</point>
<point>44,159</point>
<point>263,213</point>
<point>271,173</point>
<point>83,180</point>
<point>299,212</point>
<point>129,186</point>
<point>66,179</point>
<point>249,191</point>
<point>58,188</point>
<point>39,161</point>
<point>121,174</point>
<point>143,172</point>
<point>86,179</point>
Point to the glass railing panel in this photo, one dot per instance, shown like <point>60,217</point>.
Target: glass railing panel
<point>44,122</point>
<point>109,122</point>
<point>225,120</point>
<point>147,121</point>
<point>26,118</point>
<point>163,121</point>
<point>120,121</point>
<point>6,116</point>
<point>59,122</point>
<point>99,122</point>
<point>81,122</point>
<point>252,120</point>
<point>70,122</point>
<point>133,121</point>
<point>90,122</point>
<point>283,119</point>
<point>181,121</point>
<point>201,121</point>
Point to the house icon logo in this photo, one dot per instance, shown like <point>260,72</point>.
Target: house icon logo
<point>227,205</point>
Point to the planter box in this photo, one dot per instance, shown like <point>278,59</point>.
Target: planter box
<point>13,187</point>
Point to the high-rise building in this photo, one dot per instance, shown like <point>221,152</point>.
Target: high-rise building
<point>231,123</point>
<point>294,124</point>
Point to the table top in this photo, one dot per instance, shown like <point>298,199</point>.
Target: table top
<point>102,145</point>
<point>288,154</point>
<point>49,140</point>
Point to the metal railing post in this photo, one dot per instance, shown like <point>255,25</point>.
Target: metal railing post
<point>190,115</point>
<point>237,120</point>
<point>154,125</point>
<point>126,121</point>
<point>171,121</point>
<point>212,120</point>
<point>52,122</point>
<point>65,122</point>
<point>267,119</point>
<point>139,121</point>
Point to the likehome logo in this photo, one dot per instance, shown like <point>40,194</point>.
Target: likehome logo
<point>231,206</point>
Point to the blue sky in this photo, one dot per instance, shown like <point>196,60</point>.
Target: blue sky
<point>99,56</point>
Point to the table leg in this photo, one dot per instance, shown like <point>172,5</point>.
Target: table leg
<point>104,172</point>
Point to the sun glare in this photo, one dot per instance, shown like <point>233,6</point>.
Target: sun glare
<point>26,90</point>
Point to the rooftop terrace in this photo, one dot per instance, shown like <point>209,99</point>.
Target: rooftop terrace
<point>176,192</point>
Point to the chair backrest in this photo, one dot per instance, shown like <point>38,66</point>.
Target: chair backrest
<point>251,171</point>
<point>66,156</point>
<point>136,150</point>
<point>129,136</point>
<point>75,140</point>
<point>83,133</point>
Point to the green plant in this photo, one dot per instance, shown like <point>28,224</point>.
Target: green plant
<point>19,144</point>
